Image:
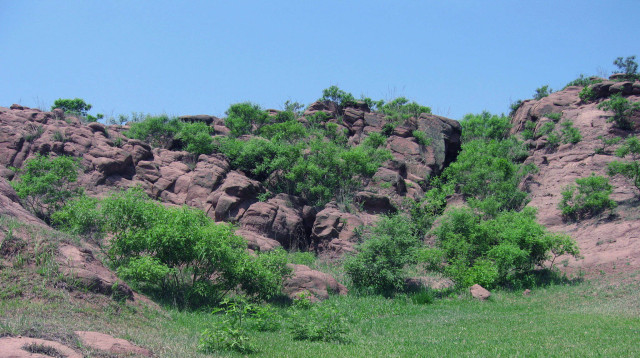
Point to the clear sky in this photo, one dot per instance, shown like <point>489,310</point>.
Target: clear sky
<point>198,57</point>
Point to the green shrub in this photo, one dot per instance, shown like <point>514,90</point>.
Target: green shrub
<point>484,126</point>
<point>302,258</point>
<point>44,183</point>
<point>570,134</point>
<point>591,198</point>
<point>195,138</point>
<point>341,98</point>
<point>387,129</point>
<point>324,324</point>
<point>607,142</point>
<point>496,251</point>
<point>489,169</point>
<point>289,132</point>
<point>583,81</point>
<point>80,216</point>
<point>622,109</point>
<point>401,109</point>
<point>73,106</point>
<point>158,131</point>
<point>421,138</point>
<point>553,140</point>
<point>375,140</point>
<point>244,118</point>
<point>554,116</point>
<point>378,267</point>
<point>542,92</point>
<point>529,131</point>
<point>628,66</point>
<point>513,107</point>
<point>587,94</point>
<point>546,128</point>
<point>630,169</point>
<point>172,253</point>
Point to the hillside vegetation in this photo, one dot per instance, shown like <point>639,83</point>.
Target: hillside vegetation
<point>347,227</point>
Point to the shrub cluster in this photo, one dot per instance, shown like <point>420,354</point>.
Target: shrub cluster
<point>629,169</point>
<point>591,197</point>
<point>173,253</point>
<point>622,110</point>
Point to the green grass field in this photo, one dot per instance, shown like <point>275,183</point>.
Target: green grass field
<point>592,319</point>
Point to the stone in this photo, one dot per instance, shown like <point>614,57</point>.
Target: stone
<point>316,283</point>
<point>107,343</point>
<point>479,292</point>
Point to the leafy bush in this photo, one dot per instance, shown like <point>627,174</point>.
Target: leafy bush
<point>591,198</point>
<point>421,138</point>
<point>607,142</point>
<point>497,251</point>
<point>44,183</point>
<point>583,81</point>
<point>486,169</point>
<point>546,128</point>
<point>74,106</point>
<point>622,109</point>
<point>80,216</point>
<point>338,96</point>
<point>513,107</point>
<point>159,131</point>
<point>375,140</point>
<point>289,131</point>
<point>174,252</point>
<point>570,134</point>
<point>629,169</point>
<point>554,116</point>
<point>244,118</point>
<point>401,109</point>
<point>542,92</point>
<point>628,65</point>
<point>484,126</point>
<point>378,267</point>
<point>324,324</point>
<point>529,131</point>
<point>588,94</point>
<point>195,138</point>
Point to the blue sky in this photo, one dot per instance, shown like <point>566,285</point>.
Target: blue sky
<point>198,57</point>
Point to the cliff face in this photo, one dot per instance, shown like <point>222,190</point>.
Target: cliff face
<point>609,243</point>
<point>110,160</point>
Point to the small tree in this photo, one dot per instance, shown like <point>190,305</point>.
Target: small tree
<point>73,106</point>
<point>629,169</point>
<point>542,92</point>
<point>590,199</point>
<point>628,66</point>
<point>244,118</point>
<point>44,183</point>
<point>622,109</point>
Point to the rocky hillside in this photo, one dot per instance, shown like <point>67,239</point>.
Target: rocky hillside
<point>609,243</point>
<point>208,182</point>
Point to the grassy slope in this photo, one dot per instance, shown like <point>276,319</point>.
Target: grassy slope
<point>589,319</point>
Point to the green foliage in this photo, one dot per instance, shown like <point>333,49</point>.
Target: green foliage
<point>44,183</point>
<point>73,106</point>
<point>421,138</point>
<point>570,134</point>
<point>79,216</point>
<point>159,131</point>
<point>401,109</point>
<point>338,96</point>
<point>289,131</point>
<point>378,267</point>
<point>244,118</point>
<point>542,92</point>
<point>583,81</point>
<point>34,131</point>
<point>591,198</point>
<point>484,126</point>
<point>195,138</point>
<point>588,94</point>
<point>375,140</point>
<point>553,140</point>
<point>173,253</point>
<point>630,169</point>
<point>387,129</point>
<point>488,169</point>
<point>529,131</point>
<point>622,109</point>
<point>302,258</point>
<point>513,107</point>
<point>628,65</point>
<point>607,142</point>
<point>294,107</point>
<point>323,324</point>
<point>546,128</point>
<point>329,170</point>
<point>501,250</point>
<point>554,116</point>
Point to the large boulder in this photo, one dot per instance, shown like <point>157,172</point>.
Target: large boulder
<point>307,281</point>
